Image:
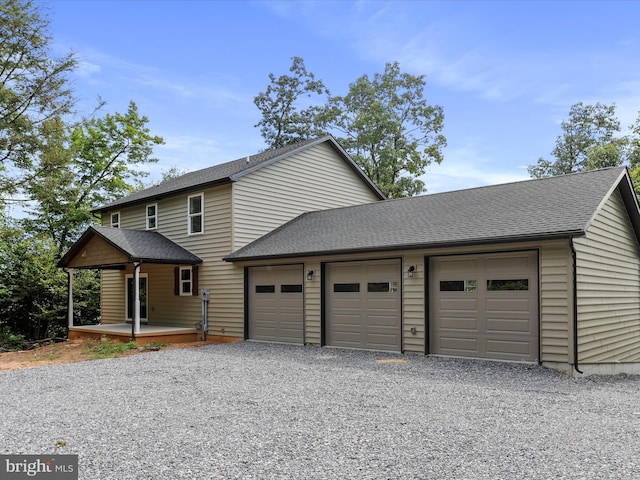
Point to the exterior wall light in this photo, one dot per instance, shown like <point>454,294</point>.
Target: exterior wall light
<point>309,274</point>
<point>411,271</point>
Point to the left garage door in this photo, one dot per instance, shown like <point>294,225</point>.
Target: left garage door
<point>276,304</point>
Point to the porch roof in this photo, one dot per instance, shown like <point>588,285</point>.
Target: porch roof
<point>107,247</point>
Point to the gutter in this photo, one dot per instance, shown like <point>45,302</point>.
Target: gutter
<point>575,306</point>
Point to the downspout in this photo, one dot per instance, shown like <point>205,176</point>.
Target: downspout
<point>575,306</point>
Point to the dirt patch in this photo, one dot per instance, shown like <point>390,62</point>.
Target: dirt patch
<point>71,351</point>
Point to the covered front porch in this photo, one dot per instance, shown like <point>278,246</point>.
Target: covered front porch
<point>124,253</point>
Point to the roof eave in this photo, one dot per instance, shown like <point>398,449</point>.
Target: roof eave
<point>192,188</point>
<point>421,246</point>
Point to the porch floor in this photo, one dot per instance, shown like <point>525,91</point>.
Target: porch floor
<point>148,333</point>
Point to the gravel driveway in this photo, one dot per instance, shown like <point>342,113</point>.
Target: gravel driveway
<point>261,411</point>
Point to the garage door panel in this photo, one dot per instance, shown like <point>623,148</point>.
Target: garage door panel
<point>375,322</point>
<point>509,326</point>
<point>459,323</point>
<point>508,347</point>
<point>456,265</point>
<point>495,266</point>
<point>497,317</point>
<point>509,305</point>
<point>458,304</point>
<point>381,342</point>
<point>459,346</point>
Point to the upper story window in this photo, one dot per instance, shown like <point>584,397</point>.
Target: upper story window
<point>152,216</point>
<point>115,220</point>
<point>196,213</point>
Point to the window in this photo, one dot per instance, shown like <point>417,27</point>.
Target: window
<point>152,216</point>
<point>458,285</point>
<point>195,206</point>
<point>504,285</point>
<point>291,288</point>
<point>378,287</point>
<point>346,287</point>
<point>185,281</point>
<point>265,289</point>
<point>115,220</point>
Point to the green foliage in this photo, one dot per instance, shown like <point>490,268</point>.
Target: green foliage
<point>87,165</point>
<point>284,121</point>
<point>10,341</point>
<point>106,349</point>
<point>33,290</point>
<point>591,139</point>
<point>385,123</point>
<point>390,129</point>
<point>33,87</point>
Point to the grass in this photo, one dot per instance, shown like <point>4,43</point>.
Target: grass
<point>107,349</point>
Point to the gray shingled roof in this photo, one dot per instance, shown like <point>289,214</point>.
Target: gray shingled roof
<point>138,245</point>
<point>532,209</point>
<point>227,172</point>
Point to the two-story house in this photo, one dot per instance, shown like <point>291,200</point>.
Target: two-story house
<point>172,237</point>
<point>294,246</point>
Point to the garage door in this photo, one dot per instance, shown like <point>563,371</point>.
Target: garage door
<point>276,304</point>
<point>485,306</point>
<point>363,305</point>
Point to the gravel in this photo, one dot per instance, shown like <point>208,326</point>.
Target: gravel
<point>265,411</point>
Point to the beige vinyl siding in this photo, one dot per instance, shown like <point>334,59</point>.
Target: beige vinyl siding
<point>609,288</point>
<point>225,280</point>
<point>315,179</point>
<point>312,308</point>
<point>413,308</point>
<point>556,303</point>
<point>112,296</point>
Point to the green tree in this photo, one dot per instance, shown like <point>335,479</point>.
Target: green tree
<point>285,119</point>
<point>33,88</point>
<point>634,153</point>
<point>590,140</point>
<point>90,164</point>
<point>390,129</point>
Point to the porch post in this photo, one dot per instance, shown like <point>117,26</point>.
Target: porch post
<point>136,296</point>
<point>70,297</point>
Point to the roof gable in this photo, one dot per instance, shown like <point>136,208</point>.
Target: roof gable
<point>532,209</point>
<point>231,172</point>
<point>126,246</point>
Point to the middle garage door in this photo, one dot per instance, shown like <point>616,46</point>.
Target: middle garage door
<point>363,305</point>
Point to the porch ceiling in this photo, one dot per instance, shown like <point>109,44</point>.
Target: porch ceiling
<point>107,247</point>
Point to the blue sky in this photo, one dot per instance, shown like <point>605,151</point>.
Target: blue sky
<point>505,73</point>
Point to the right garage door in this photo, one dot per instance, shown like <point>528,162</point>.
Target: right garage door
<point>484,306</point>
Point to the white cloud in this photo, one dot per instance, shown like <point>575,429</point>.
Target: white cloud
<point>464,168</point>
<point>86,69</point>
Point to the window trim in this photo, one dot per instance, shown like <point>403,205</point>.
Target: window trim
<point>149,217</point>
<point>181,282</point>
<point>192,215</point>
<point>115,224</point>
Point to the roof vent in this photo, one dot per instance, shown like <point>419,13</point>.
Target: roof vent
<point>248,160</point>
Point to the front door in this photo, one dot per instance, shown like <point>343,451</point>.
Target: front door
<point>143,298</point>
